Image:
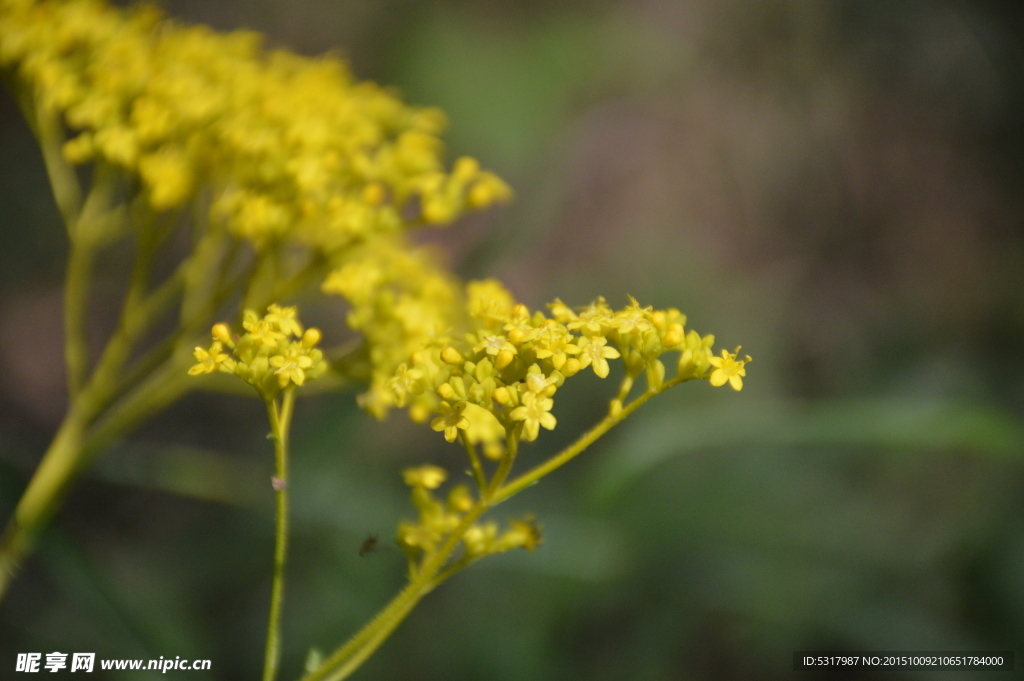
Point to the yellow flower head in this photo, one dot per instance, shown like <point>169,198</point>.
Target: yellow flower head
<point>266,357</point>
<point>428,477</point>
<point>209,360</point>
<point>596,353</point>
<point>534,413</point>
<point>729,369</point>
<point>451,420</point>
<point>404,383</point>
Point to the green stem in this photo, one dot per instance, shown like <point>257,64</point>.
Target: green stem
<point>67,192</point>
<point>280,421</point>
<point>509,458</point>
<point>577,447</point>
<point>474,460</point>
<point>357,649</point>
<point>73,449</point>
<point>136,317</point>
<point>350,656</point>
<point>163,387</point>
<point>41,498</point>
<point>76,300</point>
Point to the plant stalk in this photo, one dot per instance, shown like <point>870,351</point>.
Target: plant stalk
<point>280,422</point>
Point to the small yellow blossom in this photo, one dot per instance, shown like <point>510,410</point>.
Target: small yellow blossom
<point>534,413</point>
<point>727,368</point>
<point>696,357</point>
<point>264,357</point>
<point>262,330</point>
<point>291,366</point>
<point>284,319</point>
<point>209,360</point>
<point>406,382</point>
<point>554,340</point>
<point>451,420</point>
<point>593,319</point>
<point>492,345</point>
<point>428,477</point>
<point>596,353</point>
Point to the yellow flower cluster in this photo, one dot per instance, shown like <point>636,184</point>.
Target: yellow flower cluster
<point>278,149</point>
<point>504,373</point>
<point>438,519</point>
<point>293,148</point>
<point>273,353</point>
<point>401,301</point>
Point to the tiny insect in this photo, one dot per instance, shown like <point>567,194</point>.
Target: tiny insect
<point>369,546</point>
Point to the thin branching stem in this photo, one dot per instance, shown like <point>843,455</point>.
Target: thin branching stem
<point>280,415</point>
<point>432,571</point>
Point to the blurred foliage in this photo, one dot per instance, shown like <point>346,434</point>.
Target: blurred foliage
<point>839,183</point>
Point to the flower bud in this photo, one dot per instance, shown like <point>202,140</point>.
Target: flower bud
<point>501,396</point>
<point>674,336</point>
<point>571,367</point>
<point>446,391</point>
<point>222,333</point>
<point>311,338</point>
<point>466,168</point>
<point>419,412</point>
<point>655,374</point>
<point>460,500</point>
<point>451,356</point>
<point>429,477</point>
<point>634,363</point>
<point>504,358</point>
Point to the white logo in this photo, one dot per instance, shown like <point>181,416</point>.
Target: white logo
<point>28,662</point>
<point>55,661</point>
<point>82,661</point>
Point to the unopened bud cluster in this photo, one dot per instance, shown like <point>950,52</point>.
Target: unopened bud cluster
<point>439,518</point>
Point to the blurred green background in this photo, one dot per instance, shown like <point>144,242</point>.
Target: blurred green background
<point>835,185</point>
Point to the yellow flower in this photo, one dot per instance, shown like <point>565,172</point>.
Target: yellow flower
<point>451,420</point>
<point>632,319</point>
<point>492,345</point>
<point>727,368</point>
<point>534,413</point>
<point>696,357</point>
<point>168,176</point>
<point>209,360</point>
<point>428,477</point>
<point>554,340</point>
<point>537,383</point>
<point>596,353</point>
<point>488,301</point>
<point>291,367</point>
<point>284,318</point>
<point>261,329</point>
<point>417,536</point>
<point>406,382</point>
<point>592,320</point>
